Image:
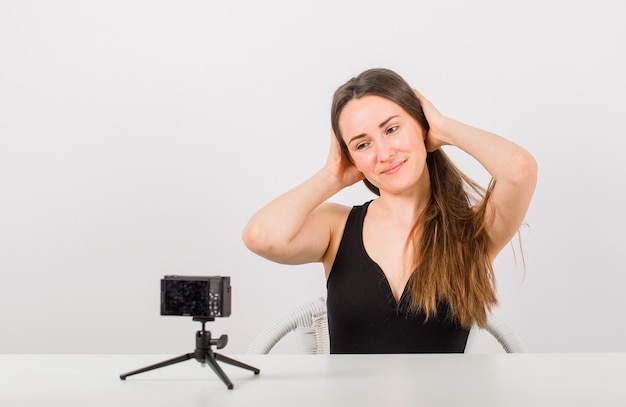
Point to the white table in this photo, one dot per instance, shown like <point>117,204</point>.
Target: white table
<point>319,380</point>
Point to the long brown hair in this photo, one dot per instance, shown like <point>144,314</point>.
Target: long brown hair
<point>451,263</point>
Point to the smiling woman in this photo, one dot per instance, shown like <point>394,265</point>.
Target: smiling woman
<point>410,271</point>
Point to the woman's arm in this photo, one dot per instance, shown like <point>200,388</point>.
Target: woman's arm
<point>297,227</point>
<point>513,169</point>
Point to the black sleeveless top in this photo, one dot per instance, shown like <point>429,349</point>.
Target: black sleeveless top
<point>363,314</point>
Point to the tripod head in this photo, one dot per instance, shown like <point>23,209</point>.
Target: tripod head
<point>203,337</point>
<point>204,320</point>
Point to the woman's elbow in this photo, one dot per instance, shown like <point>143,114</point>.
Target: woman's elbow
<point>258,241</point>
<point>253,239</point>
<point>525,170</point>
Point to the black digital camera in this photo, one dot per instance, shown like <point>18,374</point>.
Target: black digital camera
<point>201,297</point>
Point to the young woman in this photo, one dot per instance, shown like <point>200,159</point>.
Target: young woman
<point>410,271</point>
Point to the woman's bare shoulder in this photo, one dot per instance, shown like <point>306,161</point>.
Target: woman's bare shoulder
<point>334,212</point>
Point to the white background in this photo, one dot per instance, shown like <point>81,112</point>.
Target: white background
<point>138,136</point>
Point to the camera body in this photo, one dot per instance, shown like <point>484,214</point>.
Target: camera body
<point>196,296</point>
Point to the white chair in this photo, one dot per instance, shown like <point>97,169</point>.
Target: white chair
<point>310,324</point>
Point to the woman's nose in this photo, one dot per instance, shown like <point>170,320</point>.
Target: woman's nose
<point>385,150</point>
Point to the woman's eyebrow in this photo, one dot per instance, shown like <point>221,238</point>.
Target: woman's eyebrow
<point>380,126</point>
<point>384,123</point>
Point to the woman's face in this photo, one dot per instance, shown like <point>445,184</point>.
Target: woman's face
<point>384,142</point>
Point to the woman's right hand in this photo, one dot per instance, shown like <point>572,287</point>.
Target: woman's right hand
<point>339,166</point>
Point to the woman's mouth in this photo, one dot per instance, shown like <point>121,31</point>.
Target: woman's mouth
<point>393,168</point>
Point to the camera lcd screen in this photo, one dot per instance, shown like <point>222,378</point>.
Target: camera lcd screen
<point>195,296</point>
<point>185,297</point>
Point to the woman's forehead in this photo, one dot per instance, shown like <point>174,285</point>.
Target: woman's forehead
<point>367,112</point>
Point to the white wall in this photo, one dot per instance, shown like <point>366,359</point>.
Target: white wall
<point>138,136</point>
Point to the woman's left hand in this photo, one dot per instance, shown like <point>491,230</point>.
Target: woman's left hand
<point>435,137</point>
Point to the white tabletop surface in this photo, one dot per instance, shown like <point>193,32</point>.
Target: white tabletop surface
<point>484,380</point>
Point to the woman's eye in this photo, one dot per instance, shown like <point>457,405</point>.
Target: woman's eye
<point>361,146</point>
<point>392,129</point>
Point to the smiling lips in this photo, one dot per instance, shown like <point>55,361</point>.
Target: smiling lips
<point>394,168</point>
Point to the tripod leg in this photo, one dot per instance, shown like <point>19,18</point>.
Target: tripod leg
<point>210,360</point>
<point>234,362</point>
<point>168,362</point>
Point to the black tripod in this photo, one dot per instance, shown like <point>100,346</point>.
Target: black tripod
<point>203,354</point>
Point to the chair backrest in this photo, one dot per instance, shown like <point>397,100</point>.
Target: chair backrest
<point>309,322</point>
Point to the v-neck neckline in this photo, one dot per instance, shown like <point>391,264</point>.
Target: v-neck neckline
<point>397,301</point>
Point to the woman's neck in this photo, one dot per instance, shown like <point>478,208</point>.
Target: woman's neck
<point>400,209</point>
<point>406,207</point>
